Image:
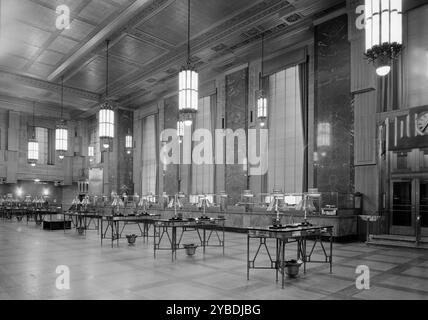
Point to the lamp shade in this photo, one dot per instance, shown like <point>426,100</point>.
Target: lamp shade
<point>188,94</point>
<point>106,121</point>
<point>91,151</point>
<point>128,141</point>
<point>61,138</point>
<point>262,108</point>
<point>383,27</point>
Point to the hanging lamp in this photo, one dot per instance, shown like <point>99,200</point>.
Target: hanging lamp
<point>106,113</point>
<point>61,131</point>
<point>383,27</point>
<point>33,145</point>
<point>261,97</point>
<point>128,143</point>
<point>188,84</point>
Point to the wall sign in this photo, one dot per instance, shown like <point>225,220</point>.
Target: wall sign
<point>409,131</point>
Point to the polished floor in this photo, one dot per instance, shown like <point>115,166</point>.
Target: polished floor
<point>29,257</point>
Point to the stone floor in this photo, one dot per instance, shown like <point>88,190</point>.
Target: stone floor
<point>29,257</point>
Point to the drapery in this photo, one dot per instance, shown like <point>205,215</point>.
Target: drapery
<point>203,174</point>
<point>149,158</point>
<point>286,131</point>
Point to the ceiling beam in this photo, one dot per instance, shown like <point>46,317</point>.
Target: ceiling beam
<point>119,22</point>
<point>46,85</point>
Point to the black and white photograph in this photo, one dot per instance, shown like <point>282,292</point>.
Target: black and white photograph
<point>213,154</point>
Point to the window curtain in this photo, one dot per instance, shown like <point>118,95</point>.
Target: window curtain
<point>149,156</point>
<point>286,131</point>
<point>203,174</point>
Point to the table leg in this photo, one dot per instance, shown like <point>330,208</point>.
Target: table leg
<point>154,241</point>
<point>283,263</point>
<point>102,231</point>
<point>117,232</point>
<point>248,257</point>
<point>223,238</point>
<point>204,243</point>
<point>331,251</point>
<point>277,258</point>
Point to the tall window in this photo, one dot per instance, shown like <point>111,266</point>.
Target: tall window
<point>203,174</point>
<point>149,172</point>
<point>42,136</point>
<point>95,142</point>
<point>286,140</point>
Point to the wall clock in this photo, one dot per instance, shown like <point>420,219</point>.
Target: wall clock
<point>422,123</point>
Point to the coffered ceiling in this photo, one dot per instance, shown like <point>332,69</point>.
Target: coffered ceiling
<point>147,48</point>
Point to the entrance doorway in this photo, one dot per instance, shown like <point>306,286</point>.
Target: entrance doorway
<point>409,207</point>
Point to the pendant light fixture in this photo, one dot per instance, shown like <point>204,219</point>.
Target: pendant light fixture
<point>61,132</point>
<point>188,84</point>
<point>261,97</point>
<point>33,145</point>
<point>106,114</point>
<point>383,28</point>
<point>91,153</point>
<point>128,143</point>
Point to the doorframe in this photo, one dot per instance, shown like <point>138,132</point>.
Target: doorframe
<point>403,230</point>
<point>415,229</point>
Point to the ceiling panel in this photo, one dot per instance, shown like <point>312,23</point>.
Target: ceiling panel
<point>36,15</point>
<point>12,62</point>
<point>63,45</point>
<point>136,50</point>
<point>97,11</point>
<point>78,30</point>
<point>72,4</point>
<point>40,70</point>
<point>16,48</point>
<point>171,24</point>
<point>17,31</point>
<point>50,58</point>
<point>92,76</point>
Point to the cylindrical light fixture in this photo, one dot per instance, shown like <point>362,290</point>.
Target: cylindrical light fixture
<point>61,132</point>
<point>33,145</point>
<point>262,108</point>
<point>106,124</point>
<point>128,143</point>
<point>61,140</point>
<point>188,84</point>
<point>106,114</point>
<point>91,153</point>
<point>262,102</point>
<point>383,26</point>
<point>33,152</point>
